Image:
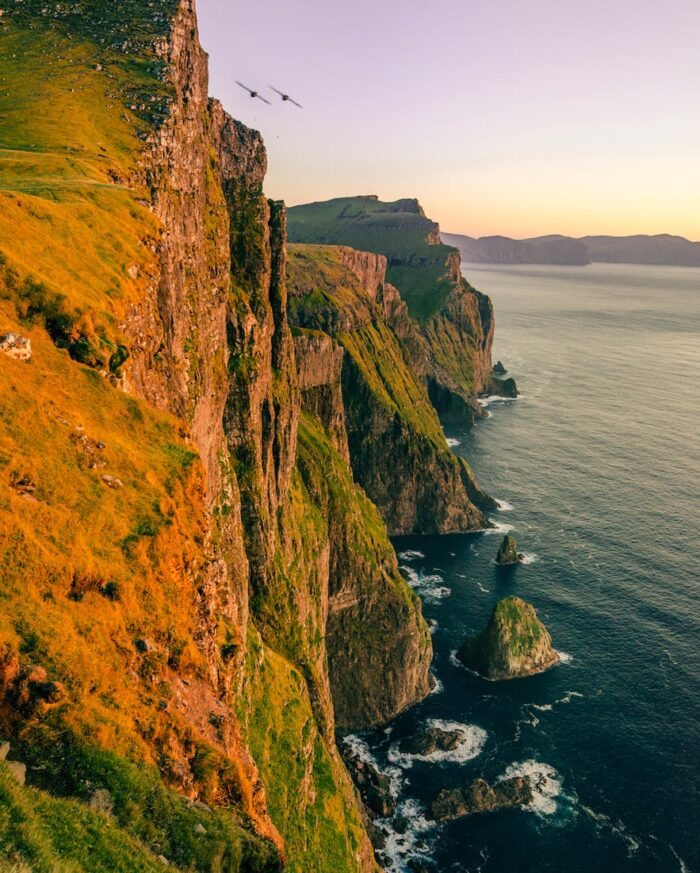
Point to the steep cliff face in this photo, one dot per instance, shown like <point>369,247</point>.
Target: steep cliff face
<point>397,449</point>
<point>445,325</point>
<point>186,515</point>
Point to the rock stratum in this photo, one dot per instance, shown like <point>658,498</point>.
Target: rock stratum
<point>514,643</point>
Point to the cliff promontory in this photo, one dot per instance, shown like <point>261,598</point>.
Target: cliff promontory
<point>445,326</point>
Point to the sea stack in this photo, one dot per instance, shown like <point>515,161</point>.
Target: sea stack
<point>505,387</point>
<point>514,643</point>
<point>508,552</point>
<point>499,369</point>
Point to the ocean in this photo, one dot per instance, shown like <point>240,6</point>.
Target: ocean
<point>597,467</point>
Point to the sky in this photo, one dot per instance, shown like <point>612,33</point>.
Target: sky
<point>513,117</point>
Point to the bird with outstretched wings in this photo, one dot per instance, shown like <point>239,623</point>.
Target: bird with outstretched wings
<point>285,97</point>
<point>253,93</point>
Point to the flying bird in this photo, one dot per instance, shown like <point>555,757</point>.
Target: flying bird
<point>285,97</point>
<point>253,93</point>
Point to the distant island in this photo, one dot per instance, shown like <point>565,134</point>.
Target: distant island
<point>662,250</point>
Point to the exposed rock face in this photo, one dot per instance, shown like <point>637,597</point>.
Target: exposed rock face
<point>502,387</point>
<point>431,740</point>
<point>15,346</point>
<point>279,612</point>
<point>479,797</point>
<point>508,551</point>
<point>374,786</point>
<point>446,326</point>
<point>319,363</point>
<point>499,369</point>
<point>397,449</point>
<point>514,644</point>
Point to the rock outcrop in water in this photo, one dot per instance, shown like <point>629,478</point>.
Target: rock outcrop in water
<point>499,369</point>
<point>430,740</point>
<point>514,643</point>
<point>480,797</point>
<point>508,552</point>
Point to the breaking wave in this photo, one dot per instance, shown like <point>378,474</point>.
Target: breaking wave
<point>471,744</point>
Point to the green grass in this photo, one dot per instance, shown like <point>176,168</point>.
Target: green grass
<point>309,794</point>
<point>325,295</point>
<point>60,833</point>
<point>397,230</point>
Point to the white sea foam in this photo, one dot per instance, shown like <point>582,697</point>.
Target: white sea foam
<point>545,782</point>
<point>471,744</point>
<point>504,506</point>
<point>410,555</point>
<point>453,443</point>
<point>619,828</point>
<point>454,660</point>
<point>358,747</point>
<point>417,842</point>
<point>433,625</point>
<point>499,527</point>
<point>565,657</point>
<point>481,587</point>
<point>496,398</point>
<point>682,866</point>
<point>428,585</point>
<point>528,558</point>
<point>438,687</point>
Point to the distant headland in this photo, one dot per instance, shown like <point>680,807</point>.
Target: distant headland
<point>662,250</point>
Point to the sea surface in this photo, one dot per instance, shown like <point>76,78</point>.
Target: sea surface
<point>597,466</point>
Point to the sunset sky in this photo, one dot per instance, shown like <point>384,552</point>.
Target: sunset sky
<point>510,117</point>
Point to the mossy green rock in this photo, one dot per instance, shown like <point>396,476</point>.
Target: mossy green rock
<point>508,551</point>
<point>480,797</point>
<point>514,644</point>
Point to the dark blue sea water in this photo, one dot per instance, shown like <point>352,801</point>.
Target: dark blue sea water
<point>598,465</point>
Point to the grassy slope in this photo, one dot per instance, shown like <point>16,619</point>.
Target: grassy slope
<point>88,569</point>
<point>68,236</point>
<point>416,268</point>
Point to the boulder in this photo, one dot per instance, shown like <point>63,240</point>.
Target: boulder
<point>505,387</point>
<point>101,801</point>
<point>15,346</point>
<point>430,740</point>
<point>514,643</point>
<point>18,771</point>
<point>373,785</point>
<point>508,552</point>
<point>480,797</point>
<point>4,750</point>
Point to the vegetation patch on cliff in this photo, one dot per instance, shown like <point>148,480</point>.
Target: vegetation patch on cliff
<point>418,261</point>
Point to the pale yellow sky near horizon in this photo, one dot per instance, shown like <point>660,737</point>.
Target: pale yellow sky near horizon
<point>511,118</point>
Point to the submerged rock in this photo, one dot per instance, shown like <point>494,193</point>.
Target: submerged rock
<point>430,740</point>
<point>499,369</point>
<point>514,643</point>
<point>479,797</point>
<point>508,552</point>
